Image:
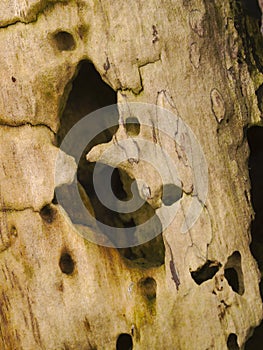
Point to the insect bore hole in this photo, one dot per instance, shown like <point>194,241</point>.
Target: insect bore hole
<point>64,41</point>
<point>132,126</point>
<point>66,263</point>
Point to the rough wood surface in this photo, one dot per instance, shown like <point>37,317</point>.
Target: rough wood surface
<point>59,291</point>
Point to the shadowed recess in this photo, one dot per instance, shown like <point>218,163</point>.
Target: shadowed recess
<point>124,342</point>
<point>205,272</point>
<point>256,341</point>
<point>251,8</point>
<point>232,342</point>
<point>255,166</point>
<point>88,92</point>
<point>102,213</point>
<point>232,278</point>
<point>147,255</point>
<point>261,288</point>
<point>64,41</point>
<point>234,274</point>
<point>259,94</point>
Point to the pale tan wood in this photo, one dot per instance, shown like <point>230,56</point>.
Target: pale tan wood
<point>189,51</point>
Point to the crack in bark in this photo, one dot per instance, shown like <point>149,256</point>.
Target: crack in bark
<point>150,62</point>
<point>193,244</point>
<point>140,73</point>
<point>15,210</point>
<point>34,323</point>
<point>40,125</point>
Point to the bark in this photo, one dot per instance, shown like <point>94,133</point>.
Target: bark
<point>60,60</point>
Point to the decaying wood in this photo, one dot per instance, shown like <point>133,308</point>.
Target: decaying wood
<point>60,291</point>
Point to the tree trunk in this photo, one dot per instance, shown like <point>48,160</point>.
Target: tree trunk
<point>192,283</point>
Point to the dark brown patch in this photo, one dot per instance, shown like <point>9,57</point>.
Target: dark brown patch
<point>148,288</point>
<point>64,41</point>
<point>60,286</point>
<point>106,65</point>
<point>48,213</point>
<point>66,263</point>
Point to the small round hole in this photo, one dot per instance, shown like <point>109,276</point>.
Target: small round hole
<point>64,41</point>
<point>48,214</point>
<point>132,126</point>
<point>124,342</point>
<point>171,194</point>
<point>66,264</point>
